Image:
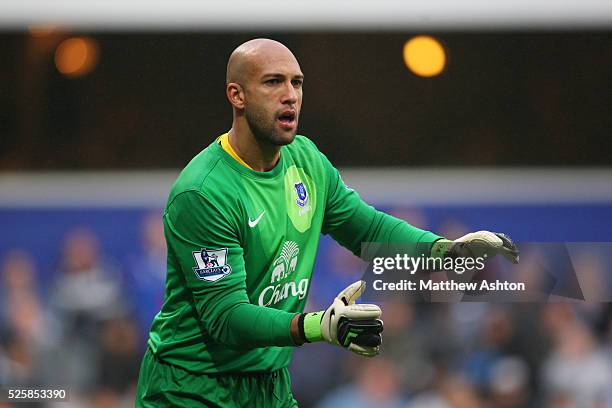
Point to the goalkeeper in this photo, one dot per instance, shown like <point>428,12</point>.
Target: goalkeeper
<point>242,225</point>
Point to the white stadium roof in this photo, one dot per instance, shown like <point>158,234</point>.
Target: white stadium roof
<point>284,15</point>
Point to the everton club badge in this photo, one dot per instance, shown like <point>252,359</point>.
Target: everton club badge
<point>302,194</point>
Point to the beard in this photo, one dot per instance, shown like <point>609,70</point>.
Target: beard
<point>265,129</point>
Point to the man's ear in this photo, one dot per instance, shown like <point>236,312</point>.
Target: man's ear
<point>235,94</point>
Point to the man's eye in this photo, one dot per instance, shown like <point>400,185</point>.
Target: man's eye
<point>297,83</point>
<point>273,81</point>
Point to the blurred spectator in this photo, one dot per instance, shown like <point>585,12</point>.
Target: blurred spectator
<point>509,383</point>
<point>491,344</point>
<point>146,273</point>
<point>594,284</point>
<point>460,394</point>
<point>450,392</point>
<point>17,279</point>
<point>377,384</point>
<point>119,356</point>
<point>17,272</point>
<point>17,364</point>
<point>577,371</point>
<point>408,343</point>
<point>104,398</point>
<point>86,293</point>
<point>117,366</point>
<point>26,332</point>
<point>531,342</point>
<point>309,385</point>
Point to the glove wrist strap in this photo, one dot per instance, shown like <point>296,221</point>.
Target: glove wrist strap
<point>310,324</point>
<point>440,248</point>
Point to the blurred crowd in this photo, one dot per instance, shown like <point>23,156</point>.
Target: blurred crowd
<point>547,354</point>
<point>471,355</point>
<point>85,330</point>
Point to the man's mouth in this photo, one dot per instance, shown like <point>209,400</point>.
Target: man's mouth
<point>287,119</point>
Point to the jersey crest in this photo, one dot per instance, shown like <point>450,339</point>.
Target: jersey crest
<point>300,197</point>
<point>302,194</point>
<point>211,264</point>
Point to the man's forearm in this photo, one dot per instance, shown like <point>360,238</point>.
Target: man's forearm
<point>250,326</point>
<point>369,225</point>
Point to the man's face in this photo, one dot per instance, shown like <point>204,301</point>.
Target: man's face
<point>273,98</point>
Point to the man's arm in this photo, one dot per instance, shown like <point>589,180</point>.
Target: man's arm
<point>192,223</point>
<point>351,221</point>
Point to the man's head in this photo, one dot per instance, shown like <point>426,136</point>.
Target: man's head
<point>264,86</point>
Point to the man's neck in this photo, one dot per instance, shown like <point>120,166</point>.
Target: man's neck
<point>259,156</point>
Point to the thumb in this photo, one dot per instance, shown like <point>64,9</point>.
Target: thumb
<point>351,293</point>
<point>484,237</point>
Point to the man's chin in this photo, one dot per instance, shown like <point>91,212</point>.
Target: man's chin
<point>287,138</point>
<point>283,137</point>
<point>276,136</point>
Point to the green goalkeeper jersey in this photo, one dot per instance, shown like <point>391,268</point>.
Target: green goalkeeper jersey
<point>241,250</point>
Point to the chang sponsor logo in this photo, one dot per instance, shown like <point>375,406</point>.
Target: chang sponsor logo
<point>286,262</point>
<point>283,267</point>
<point>273,294</point>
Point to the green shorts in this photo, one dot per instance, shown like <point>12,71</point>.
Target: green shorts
<point>165,385</point>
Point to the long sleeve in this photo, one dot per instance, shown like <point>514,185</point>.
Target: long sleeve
<point>351,221</point>
<point>192,224</point>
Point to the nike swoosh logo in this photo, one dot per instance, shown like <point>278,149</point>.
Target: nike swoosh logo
<point>253,223</point>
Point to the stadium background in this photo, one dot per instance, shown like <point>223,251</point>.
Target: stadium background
<point>513,136</point>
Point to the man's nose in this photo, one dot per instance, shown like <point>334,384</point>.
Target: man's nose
<point>290,94</point>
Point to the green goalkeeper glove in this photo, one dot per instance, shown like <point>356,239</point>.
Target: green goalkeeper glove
<point>344,323</point>
<point>477,244</point>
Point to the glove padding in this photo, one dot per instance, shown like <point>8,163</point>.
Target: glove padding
<point>361,332</point>
<point>354,326</point>
<point>484,244</point>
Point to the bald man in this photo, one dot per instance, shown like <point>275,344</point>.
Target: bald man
<point>256,200</point>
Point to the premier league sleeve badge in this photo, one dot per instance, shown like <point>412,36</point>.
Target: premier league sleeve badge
<point>211,264</point>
